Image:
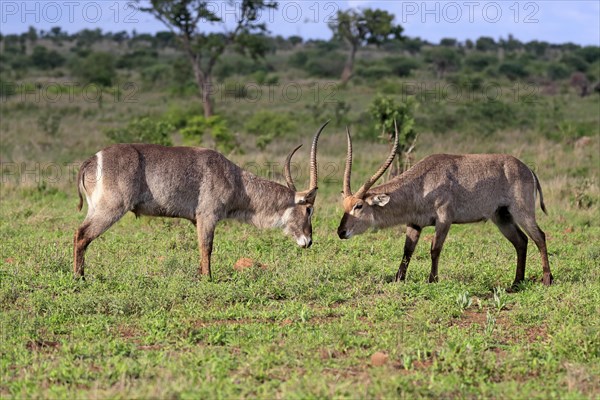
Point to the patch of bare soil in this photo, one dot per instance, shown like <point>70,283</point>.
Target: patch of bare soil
<point>245,263</point>
<point>470,317</point>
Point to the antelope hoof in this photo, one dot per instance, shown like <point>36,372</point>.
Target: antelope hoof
<point>433,279</point>
<point>400,277</point>
<point>548,279</point>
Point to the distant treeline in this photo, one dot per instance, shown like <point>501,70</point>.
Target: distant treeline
<point>97,56</point>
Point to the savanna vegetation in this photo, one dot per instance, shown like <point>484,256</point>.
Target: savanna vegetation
<point>288,322</point>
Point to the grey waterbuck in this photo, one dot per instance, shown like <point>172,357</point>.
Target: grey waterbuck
<point>196,184</point>
<point>445,189</point>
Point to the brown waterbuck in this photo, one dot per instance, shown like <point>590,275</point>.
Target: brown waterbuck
<point>196,184</point>
<point>445,189</point>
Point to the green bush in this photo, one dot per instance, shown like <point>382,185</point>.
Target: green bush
<point>402,66</point>
<point>299,59</point>
<point>137,59</point>
<point>556,71</point>
<point>590,54</point>
<point>385,111</point>
<point>575,62</point>
<point>178,116</point>
<point>267,125</point>
<point>216,126</point>
<point>375,71</point>
<point>236,64</point>
<point>513,70</point>
<point>156,75</point>
<point>142,130</point>
<point>264,78</point>
<point>49,123</point>
<point>325,67</point>
<point>44,59</point>
<point>485,116</point>
<point>96,68</point>
<point>479,61</point>
<point>7,88</point>
<point>467,81</point>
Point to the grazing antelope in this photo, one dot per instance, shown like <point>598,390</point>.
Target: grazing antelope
<point>445,189</point>
<point>196,184</point>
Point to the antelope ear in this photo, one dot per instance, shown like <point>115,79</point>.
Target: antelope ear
<point>306,197</point>
<point>378,200</point>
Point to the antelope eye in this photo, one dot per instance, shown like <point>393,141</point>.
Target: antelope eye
<point>358,206</point>
<point>309,211</point>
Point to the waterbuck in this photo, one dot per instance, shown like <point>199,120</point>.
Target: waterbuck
<point>196,184</point>
<point>445,189</point>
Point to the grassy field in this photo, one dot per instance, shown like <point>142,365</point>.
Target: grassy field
<point>310,323</point>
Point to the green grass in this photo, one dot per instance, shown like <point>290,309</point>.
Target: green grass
<point>144,324</point>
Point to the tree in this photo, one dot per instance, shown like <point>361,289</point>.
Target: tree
<point>485,43</point>
<point>449,42</point>
<point>185,17</point>
<point>32,36</point>
<point>359,28</point>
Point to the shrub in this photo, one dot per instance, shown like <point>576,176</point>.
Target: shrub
<point>466,81</point>
<point>575,62</point>
<point>325,67</point>
<point>49,123</point>
<point>401,66</point>
<point>216,126</point>
<point>137,59</point>
<point>7,88</point>
<point>96,68</point>
<point>556,71</point>
<point>590,54</point>
<point>490,116</point>
<point>375,71</point>
<point>178,117</point>
<point>513,70</point>
<point>142,130</point>
<point>298,59</point>
<point>156,75</point>
<point>264,78</point>
<point>236,64</point>
<point>384,110</point>
<point>44,59</point>
<point>478,61</point>
<point>267,125</point>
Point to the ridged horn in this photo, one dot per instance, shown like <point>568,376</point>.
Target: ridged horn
<point>313,158</point>
<point>348,170</point>
<point>386,164</point>
<point>286,170</point>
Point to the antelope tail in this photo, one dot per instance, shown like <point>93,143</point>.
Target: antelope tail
<point>539,190</point>
<point>80,178</point>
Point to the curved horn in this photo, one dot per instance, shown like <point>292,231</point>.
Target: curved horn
<point>313,158</point>
<point>286,170</point>
<point>348,170</point>
<point>364,188</point>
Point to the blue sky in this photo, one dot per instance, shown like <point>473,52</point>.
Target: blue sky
<point>552,21</point>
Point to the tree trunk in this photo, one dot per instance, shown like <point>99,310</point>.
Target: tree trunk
<point>206,100</point>
<point>349,67</point>
<point>204,84</point>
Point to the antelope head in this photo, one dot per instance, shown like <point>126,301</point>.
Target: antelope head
<point>359,208</point>
<point>297,219</point>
